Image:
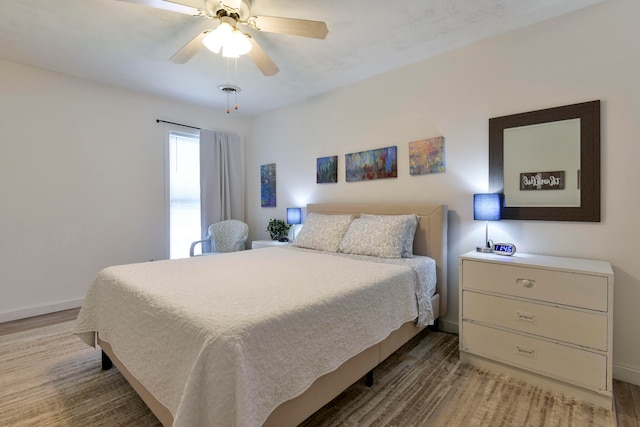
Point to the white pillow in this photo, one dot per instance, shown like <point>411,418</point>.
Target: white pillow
<point>323,232</point>
<point>410,224</point>
<point>382,236</point>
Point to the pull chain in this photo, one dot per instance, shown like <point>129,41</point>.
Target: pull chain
<point>236,81</point>
<point>228,110</point>
<point>229,88</point>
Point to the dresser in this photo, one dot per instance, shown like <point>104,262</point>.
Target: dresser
<point>547,320</point>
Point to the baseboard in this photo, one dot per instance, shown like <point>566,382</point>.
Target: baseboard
<point>626,374</point>
<point>37,311</point>
<point>448,326</point>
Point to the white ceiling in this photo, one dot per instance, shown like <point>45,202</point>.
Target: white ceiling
<point>129,45</point>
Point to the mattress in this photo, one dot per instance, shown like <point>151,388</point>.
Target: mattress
<point>224,339</point>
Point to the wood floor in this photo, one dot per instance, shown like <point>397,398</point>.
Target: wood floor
<point>626,396</point>
<point>627,400</point>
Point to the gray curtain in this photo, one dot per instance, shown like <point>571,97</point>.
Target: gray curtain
<point>221,179</point>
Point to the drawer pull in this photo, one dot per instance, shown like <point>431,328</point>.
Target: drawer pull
<point>522,315</point>
<point>529,352</point>
<point>527,283</point>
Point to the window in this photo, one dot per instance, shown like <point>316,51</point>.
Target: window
<point>184,193</point>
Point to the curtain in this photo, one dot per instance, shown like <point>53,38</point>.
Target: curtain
<point>221,179</point>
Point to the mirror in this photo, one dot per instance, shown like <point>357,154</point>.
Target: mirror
<point>546,163</point>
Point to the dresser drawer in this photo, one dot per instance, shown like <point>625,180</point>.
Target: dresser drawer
<point>572,289</point>
<point>579,367</point>
<point>587,329</point>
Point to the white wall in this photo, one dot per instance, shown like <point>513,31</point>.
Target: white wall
<point>81,183</point>
<point>587,55</point>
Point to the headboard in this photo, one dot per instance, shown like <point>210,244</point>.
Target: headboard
<point>431,235</point>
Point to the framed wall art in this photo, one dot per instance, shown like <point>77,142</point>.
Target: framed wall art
<point>327,170</point>
<point>426,156</point>
<point>268,185</point>
<point>372,164</point>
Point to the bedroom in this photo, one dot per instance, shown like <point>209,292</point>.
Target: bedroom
<point>57,129</point>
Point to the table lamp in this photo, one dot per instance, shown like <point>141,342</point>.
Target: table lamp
<point>486,207</point>
<point>294,218</point>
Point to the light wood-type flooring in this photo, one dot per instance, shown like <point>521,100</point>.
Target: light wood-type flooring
<point>626,396</point>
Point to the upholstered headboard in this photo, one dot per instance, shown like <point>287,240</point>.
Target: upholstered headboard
<point>431,235</point>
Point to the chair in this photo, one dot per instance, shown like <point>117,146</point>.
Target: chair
<point>225,236</point>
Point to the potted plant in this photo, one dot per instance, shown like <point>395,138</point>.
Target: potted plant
<point>277,228</point>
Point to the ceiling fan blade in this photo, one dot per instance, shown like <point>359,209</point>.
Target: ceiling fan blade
<point>190,49</point>
<point>261,59</point>
<point>167,5</point>
<point>296,27</point>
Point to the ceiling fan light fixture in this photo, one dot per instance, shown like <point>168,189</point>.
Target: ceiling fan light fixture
<point>227,38</point>
<point>218,38</point>
<point>239,44</point>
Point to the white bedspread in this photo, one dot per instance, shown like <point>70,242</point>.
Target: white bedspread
<point>223,340</point>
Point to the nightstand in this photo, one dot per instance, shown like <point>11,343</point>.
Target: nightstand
<point>259,244</point>
<point>547,320</point>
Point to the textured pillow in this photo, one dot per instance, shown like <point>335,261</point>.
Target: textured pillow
<point>375,236</point>
<point>410,224</point>
<point>323,232</point>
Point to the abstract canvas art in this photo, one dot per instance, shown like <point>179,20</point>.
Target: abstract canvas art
<point>268,185</point>
<point>426,156</point>
<point>327,170</point>
<point>372,164</point>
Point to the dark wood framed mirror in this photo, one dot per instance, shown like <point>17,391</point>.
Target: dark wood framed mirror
<point>546,163</point>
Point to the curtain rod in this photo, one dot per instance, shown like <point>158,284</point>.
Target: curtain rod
<point>179,124</point>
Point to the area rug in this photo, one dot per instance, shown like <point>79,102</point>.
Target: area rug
<point>48,377</point>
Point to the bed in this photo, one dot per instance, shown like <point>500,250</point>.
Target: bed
<point>297,326</point>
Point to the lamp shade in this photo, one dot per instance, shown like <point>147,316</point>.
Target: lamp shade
<point>486,206</point>
<point>294,216</point>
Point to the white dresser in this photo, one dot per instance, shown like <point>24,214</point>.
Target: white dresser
<point>547,320</point>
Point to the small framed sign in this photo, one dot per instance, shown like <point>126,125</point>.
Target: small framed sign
<point>542,180</point>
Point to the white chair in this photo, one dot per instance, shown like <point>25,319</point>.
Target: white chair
<point>225,236</point>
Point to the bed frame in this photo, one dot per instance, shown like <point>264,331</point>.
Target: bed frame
<point>430,240</point>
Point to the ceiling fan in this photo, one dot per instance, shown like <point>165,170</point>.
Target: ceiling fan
<point>230,14</point>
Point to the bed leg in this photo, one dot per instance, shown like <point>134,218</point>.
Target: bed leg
<point>368,379</point>
<point>106,362</point>
<point>436,326</point>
